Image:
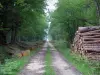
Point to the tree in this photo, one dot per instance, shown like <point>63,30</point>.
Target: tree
<point>69,15</point>
<point>97,3</point>
<point>16,16</point>
<point>21,20</point>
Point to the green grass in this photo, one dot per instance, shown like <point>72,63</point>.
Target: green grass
<point>48,68</point>
<point>79,63</point>
<point>14,65</point>
<point>85,66</point>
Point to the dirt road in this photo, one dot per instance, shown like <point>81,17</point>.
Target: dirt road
<point>36,65</point>
<point>61,65</point>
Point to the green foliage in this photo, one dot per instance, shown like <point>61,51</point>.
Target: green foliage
<point>14,65</point>
<point>34,21</point>
<point>21,18</point>
<point>69,15</point>
<point>61,43</point>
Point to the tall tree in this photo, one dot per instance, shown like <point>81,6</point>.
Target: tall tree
<point>69,15</point>
<point>97,3</point>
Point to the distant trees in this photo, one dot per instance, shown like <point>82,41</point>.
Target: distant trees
<point>69,15</point>
<point>21,18</point>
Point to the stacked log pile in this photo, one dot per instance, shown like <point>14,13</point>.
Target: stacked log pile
<point>87,42</point>
<point>21,48</point>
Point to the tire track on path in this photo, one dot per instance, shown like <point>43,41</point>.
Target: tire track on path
<point>60,65</point>
<point>36,65</point>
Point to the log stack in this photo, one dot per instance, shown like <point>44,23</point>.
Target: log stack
<point>87,42</point>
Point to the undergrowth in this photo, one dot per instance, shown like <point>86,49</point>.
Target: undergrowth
<point>14,65</point>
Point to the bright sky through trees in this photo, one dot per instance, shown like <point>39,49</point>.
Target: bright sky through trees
<point>51,6</point>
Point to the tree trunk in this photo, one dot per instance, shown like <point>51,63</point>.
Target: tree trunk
<point>2,38</point>
<point>13,35</point>
<point>97,2</point>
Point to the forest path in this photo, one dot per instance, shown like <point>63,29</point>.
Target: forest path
<point>36,65</point>
<point>60,65</point>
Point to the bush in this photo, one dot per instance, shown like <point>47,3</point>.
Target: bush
<point>61,44</point>
<point>14,65</point>
<point>11,66</point>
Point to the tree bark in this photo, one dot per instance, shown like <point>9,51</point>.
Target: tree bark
<point>2,38</point>
<point>13,35</point>
<point>97,3</point>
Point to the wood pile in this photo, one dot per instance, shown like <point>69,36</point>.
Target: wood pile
<point>87,42</point>
<point>21,48</point>
<point>23,53</point>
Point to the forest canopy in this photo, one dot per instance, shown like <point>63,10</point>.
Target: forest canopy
<point>19,18</point>
<point>70,14</point>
